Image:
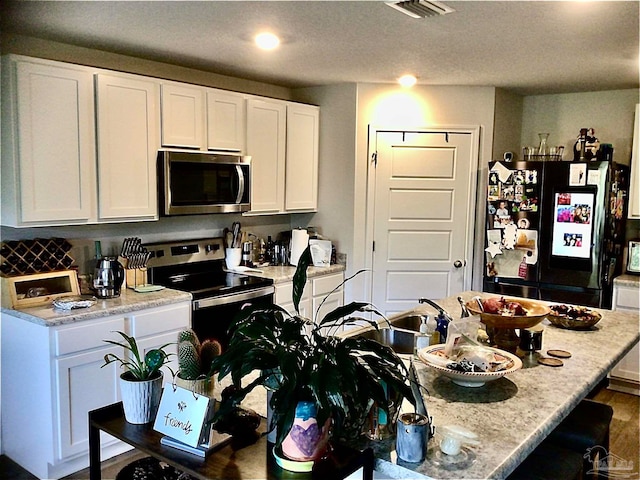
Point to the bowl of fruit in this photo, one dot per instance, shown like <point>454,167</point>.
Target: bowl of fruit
<point>506,312</point>
<point>573,317</point>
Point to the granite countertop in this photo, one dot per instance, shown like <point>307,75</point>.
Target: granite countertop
<point>284,273</point>
<point>627,280</point>
<point>128,301</point>
<point>512,415</point>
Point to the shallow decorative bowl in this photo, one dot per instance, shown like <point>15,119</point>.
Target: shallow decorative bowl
<point>470,379</point>
<point>573,318</point>
<point>536,312</point>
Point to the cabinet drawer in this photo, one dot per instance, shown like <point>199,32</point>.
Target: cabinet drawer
<point>628,298</point>
<point>284,293</point>
<point>162,319</point>
<point>86,336</point>
<point>325,284</point>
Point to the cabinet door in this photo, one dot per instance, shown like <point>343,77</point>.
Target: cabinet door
<point>266,144</point>
<point>183,116</point>
<point>301,183</point>
<point>329,303</point>
<point>629,367</point>
<point>128,133</point>
<point>55,144</point>
<point>226,126</point>
<point>284,298</point>
<point>83,386</point>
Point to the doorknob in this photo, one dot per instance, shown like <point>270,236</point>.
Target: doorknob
<point>459,263</point>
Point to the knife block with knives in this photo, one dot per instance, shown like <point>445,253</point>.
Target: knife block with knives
<point>134,257</point>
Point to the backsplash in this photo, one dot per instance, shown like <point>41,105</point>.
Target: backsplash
<point>82,238</point>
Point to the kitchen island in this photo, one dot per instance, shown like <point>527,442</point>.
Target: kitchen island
<point>514,414</point>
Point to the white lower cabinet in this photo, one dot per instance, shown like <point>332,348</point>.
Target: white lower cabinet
<point>53,376</point>
<point>324,299</point>
<point>625,376</point>
<point>284,298</point>
<point>316,290</point>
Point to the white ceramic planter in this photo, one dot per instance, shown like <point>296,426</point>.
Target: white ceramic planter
<point>140,399</point>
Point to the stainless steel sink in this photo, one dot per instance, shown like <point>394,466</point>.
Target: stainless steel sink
<point>401,341</point>
<point>409,322</point>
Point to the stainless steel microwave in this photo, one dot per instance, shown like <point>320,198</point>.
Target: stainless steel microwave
<point>203,182</point>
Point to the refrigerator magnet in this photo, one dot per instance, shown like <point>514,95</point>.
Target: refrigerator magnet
<point>633,257</point>
<point>578,174</point>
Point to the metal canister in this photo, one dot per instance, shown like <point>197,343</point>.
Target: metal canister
<point>412,437</point>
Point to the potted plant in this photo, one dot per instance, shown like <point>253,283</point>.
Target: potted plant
<point>194,362</point>
<point>336,380</point>
<point>141,382</point>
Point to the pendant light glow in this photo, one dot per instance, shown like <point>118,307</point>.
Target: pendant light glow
<point>407,81</point>
<point>267,41</point>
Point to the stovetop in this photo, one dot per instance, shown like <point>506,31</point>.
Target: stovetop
<point>197,267</point>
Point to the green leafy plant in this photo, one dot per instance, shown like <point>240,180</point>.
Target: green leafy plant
<point>343,376</point>
<point>138,367</point>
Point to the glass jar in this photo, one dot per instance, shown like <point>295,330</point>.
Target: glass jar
<point>542,148</point>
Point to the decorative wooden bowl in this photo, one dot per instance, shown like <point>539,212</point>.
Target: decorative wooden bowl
<point>573,318</point>
<point>536,312</point>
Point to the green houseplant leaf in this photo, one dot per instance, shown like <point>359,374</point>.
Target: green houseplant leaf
<point>343,376</point>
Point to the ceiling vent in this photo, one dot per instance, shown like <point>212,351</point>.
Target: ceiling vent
<point>421,8</point>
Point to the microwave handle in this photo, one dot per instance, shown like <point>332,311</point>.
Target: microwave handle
<point>241,184</point>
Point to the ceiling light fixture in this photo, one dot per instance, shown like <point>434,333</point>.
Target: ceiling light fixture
<point>267,41</point>
<point>407,81</point>
<point>421,8</point>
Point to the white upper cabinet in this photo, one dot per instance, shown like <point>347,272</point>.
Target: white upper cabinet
<point>266,135</point>
<point>128,142</point>
<point>282,139</point>
<point>301,181</point>
<point>202,118</point>
<point>183,116</point>
<point>48,158</point>
<point>226,126</point>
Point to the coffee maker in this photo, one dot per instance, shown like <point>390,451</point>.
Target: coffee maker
<point>108,277</point>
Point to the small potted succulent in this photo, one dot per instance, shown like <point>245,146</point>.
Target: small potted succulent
<point>194,362</point>
<point>321,387</point>
<point>141,382</point>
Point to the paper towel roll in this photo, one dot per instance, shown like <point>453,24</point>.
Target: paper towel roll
<point>299,242</point>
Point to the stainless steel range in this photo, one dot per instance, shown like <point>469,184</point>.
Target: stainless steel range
<point>197,267</point>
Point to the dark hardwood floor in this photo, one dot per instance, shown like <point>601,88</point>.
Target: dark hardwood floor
<point>624,440</point>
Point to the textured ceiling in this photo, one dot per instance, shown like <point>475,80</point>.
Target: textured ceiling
<point>529,47</point>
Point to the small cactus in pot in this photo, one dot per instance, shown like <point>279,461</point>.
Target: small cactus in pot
<point>194,362</point>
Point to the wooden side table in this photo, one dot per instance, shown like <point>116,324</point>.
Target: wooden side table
<point>250,458</point>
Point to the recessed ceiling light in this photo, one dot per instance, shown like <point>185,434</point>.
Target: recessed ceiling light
<point>267,41</point>
<point>407,81</point>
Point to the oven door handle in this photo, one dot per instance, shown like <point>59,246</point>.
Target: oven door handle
<point>233,298</point>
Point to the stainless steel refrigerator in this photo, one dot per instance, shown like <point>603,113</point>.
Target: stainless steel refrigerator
<point>555,231</point>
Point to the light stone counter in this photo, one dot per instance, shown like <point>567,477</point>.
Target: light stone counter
<point>514,414</point>
<point>281,274</point>
<point>128,301</point>
<point>626,280</point>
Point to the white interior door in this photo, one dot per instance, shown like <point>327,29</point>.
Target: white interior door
<point>423,216</point>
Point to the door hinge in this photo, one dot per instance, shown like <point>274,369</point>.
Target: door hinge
<point>374,246</point>
<point>374,158</point>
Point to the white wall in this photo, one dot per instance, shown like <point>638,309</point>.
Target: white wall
<point>344,152</point>
<point>507,124</point>
<point>609,113</point>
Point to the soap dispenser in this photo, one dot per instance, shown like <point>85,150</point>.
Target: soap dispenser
<point>424,338</point>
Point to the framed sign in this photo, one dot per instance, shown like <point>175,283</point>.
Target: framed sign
<point>184,415</point>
